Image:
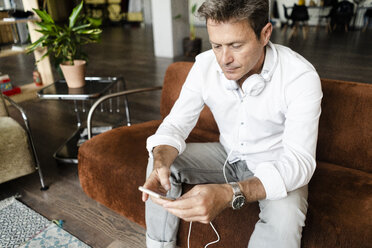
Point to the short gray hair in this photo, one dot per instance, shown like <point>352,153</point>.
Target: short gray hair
<point>256,12</point>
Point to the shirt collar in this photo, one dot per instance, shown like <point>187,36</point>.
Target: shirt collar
<point>270,60</point>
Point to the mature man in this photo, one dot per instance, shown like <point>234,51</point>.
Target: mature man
<point>266,100</point>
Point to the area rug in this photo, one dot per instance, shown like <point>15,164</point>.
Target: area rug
<point>21,226</point>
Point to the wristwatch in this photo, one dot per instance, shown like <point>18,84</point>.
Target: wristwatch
<point>238,200</point>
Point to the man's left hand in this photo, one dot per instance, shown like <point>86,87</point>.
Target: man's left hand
<point>202,203</point>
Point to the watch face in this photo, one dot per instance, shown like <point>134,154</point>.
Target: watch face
<point>238,202</point>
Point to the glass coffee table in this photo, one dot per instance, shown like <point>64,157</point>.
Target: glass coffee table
<point>94,88</point>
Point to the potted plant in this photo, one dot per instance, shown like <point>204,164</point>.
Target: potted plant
<point>64,42</point>
<point>192,44</point>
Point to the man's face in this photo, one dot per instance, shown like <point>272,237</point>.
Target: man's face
<point>237,49</point>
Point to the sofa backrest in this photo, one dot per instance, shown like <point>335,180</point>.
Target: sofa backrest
<point>345,128</point>
<point>174,78</point>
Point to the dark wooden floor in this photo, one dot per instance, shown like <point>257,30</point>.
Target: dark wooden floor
<point>129,52</point>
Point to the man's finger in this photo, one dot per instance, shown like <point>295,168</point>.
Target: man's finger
<point>184,203</point>
<point>164,174</point>
<point>158,201</point>
<point>144,196</point>
<point>191,214</point>
<point>149,184</point>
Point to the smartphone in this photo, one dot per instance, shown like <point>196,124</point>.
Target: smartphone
<point>154,194</point>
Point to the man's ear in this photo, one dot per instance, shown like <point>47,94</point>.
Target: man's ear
<point>266,33</point>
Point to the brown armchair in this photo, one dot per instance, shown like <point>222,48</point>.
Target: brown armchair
<point>112,165</point>
<point>17,151</point>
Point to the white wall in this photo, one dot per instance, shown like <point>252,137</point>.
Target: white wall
<point>169,32</point>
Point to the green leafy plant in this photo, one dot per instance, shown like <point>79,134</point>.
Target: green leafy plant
<point>192,34</point>
<point>64,42</point>
<point>192,26</point>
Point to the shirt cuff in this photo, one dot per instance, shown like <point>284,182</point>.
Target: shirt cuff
<point>271,180</point>
<point>156,140</point>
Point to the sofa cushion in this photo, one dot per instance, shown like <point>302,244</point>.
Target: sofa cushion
<point>340,208</point>
<point>234,227</point>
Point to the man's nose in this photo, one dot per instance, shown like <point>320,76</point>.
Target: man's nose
<point>227,57</point>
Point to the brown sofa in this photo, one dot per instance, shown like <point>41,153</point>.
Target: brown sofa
<point>112,165</point>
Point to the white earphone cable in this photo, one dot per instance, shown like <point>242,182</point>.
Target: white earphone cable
<point>210,223</point>
<point>210,243</point>
<point>189,235</point>
<point>224,166</point>
<point>218,236</point>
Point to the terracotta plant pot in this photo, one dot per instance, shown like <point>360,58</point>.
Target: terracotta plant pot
<point>191,48</point>
<point>74,74</point>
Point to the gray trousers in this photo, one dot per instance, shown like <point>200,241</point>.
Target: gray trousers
<point>280,223</point>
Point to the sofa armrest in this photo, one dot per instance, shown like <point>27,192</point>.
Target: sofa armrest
<point>110,96</point>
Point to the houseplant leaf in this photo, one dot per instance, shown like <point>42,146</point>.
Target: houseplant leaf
<point>193,8</point>
<point>36,44</point>
<point>192,27</point>
<point>81,27</point>
<point>75,14</point>
<point>94,21</point>
<point>44,16</point>
<point>44,26</point>
<point>64,43</point>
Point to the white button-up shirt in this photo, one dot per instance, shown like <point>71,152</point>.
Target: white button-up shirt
<point>275,132</point>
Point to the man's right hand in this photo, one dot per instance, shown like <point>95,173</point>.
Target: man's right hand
<point>158,180</point>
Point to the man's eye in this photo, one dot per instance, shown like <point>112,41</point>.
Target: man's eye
<point>236,46</point>
<point>216,46</point>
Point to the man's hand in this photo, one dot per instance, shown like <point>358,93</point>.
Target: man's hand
<point>202,203</point>
<point>158,180</point>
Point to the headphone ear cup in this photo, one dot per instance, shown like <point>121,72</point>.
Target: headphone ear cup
<point>257,88</point>
<point>254,85</point>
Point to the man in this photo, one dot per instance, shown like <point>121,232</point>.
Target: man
<point>266,100</point>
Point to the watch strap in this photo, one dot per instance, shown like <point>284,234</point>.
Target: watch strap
<point>236,188</point>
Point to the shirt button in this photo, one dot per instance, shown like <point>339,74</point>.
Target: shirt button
<point>241,123</point>
<point>242,144</point>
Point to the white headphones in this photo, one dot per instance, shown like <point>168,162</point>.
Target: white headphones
<point>256,83</point>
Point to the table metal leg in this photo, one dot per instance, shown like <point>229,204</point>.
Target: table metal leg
<point>77,114</point>
<point>126,105</point>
